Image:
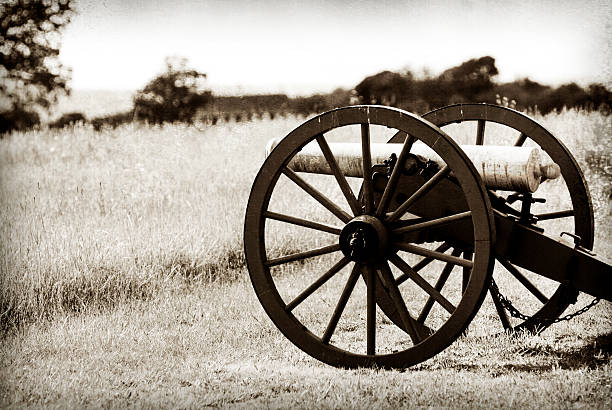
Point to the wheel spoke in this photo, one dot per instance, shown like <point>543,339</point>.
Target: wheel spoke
<point>422,283</point>
<point>411,325</point>
<point>426,187</point>
<point>303,255</point>
<point>466,272</point>
<point>313,192</point>
<point>371,310</point>
<point>422,263</point>
<point>368,190</point>
<point>340,178</point>
<point>391,184</point>
<point>302,222</point>
<point>344,297</point>
<point>397,135</point>
<point>444,275</point>
<point>501,312</point>
<point>433,222</point>
<point>524,281</point>
<point>419,250</point>
<point>555,215</point>
<point>318,283</point>
<point>480,130</point>
<point>521,140</point>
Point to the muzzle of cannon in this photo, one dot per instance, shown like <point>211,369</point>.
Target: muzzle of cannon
<point>519,169</point>
<point>387,260</point>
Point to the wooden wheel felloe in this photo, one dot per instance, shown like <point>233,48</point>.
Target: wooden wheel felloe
<point>324,261</point>
<point>575,216</point>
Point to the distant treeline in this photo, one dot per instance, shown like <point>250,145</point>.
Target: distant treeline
<point>472,81</point>
<point>175,96</point>
<point>259,106</point>
<point>220,109</point>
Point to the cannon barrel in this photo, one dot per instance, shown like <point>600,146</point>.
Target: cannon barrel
<point>520,169</point>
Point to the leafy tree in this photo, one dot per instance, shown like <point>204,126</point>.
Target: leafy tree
<point>175,95</point>
<point>600,97</point>
<point>473,81</point>
<point>469,81</point>
<point>387,88</point>
<point>31,75</point>
<point>471,78</point>
<point>525,92</point>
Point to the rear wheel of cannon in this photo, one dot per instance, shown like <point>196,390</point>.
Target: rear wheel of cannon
<point>568,208</point>
<point>326,264</point>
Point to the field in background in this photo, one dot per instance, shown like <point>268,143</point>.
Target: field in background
<point>121,268</point>
<point>93,218</point>
<point>95,103</point>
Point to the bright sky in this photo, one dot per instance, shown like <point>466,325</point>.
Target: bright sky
<point>302,47</point>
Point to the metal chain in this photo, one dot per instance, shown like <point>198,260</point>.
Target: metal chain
<point>514,312</point>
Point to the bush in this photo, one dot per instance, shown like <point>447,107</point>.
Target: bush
<point>18,120</point>
<point>68,119</point>
<point>174,96</point>
<point>386,88</point>
<point>112,120</point>
<point>306,105</point>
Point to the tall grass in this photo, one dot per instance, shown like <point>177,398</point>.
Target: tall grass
<point>91,219</point>
<point>588,135</point>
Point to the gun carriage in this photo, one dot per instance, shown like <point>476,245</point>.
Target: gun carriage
<point>428,226</point>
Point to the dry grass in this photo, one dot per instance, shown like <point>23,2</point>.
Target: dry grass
<point>90,219</point>
<point>214,346</point>
<point>122,283</point>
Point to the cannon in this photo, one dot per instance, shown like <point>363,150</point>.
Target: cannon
<point>373,238</point>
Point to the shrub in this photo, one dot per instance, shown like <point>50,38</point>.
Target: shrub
<point>68,119</point>
<point>307,105</point>
<point>112,120</point>
<point>18,120</point>
<point>173,96</point>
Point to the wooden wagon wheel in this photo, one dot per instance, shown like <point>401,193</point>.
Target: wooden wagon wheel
<point>552,304</point>
<point>308,282</point>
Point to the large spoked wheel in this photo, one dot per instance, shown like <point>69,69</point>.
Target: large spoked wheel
<point>309,239</point>
<point>568,207</point>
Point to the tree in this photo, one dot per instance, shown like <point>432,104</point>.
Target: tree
<point>31,75</point>
<point>387,88</point>
<point>175,95</point>
<point>471,78</point>
<point>600,97</point>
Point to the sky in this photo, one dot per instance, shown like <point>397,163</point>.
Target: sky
<point>309,46</point>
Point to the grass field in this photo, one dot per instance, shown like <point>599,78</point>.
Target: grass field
<point>122,283</point>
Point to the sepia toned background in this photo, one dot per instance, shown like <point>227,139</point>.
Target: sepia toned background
<point>123,280</point>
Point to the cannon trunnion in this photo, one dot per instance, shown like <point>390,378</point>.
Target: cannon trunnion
<point>386,260</point>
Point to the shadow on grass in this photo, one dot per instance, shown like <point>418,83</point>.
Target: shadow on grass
<point>225,268</point>
<point>595,353</point>
<point>87,287</point>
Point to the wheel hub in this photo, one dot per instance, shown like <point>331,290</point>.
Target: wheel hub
<point>364,239</point>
